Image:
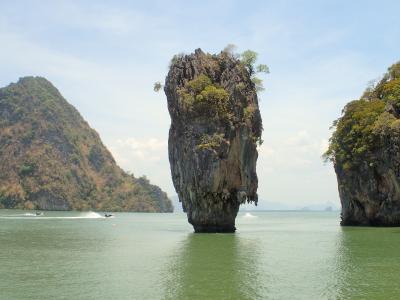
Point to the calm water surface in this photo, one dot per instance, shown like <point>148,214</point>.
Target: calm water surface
<point>273,255</point>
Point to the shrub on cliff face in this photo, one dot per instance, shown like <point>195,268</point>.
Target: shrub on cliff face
<point>211,142</point>
<point>366,122</point>
<point>27,169</point>
<point>354,134</point>
<point>248,59</point>
<point>96,157</point>
<point>157,86</point>
<point>201,97</point>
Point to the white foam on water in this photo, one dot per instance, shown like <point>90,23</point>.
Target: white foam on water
<point>249,216</point>
<point>84,215</point>
<point>91,215</point>
<point>19,215</point>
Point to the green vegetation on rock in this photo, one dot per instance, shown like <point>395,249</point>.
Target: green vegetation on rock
<point>157,86</point>
<point>201,97</point>
<point>248,59</point>
<point>365,123</point>
<point>211,142</point>
<point>52,159</point>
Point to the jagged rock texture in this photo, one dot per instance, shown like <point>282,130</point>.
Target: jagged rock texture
<point>212,143</point>
<point>365,149</point>
<point>51,159</point>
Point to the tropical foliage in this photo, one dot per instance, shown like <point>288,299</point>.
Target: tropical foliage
<point>201,97</point>
<point>249,59</point>
<point>211,142</point>
<point>367,123</point>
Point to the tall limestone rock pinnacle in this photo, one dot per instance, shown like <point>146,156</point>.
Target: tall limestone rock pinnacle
<point>365,150</point>
<point>215,127</point>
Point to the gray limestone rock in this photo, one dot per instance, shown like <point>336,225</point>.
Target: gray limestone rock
<point>365,150</point>
<point>215,127</point>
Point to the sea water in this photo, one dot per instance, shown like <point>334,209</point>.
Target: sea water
<point>273,255</point>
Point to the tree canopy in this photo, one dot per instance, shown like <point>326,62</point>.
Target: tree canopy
<point>157,86</point>
<point>366,123</point>
<point>249,59</point>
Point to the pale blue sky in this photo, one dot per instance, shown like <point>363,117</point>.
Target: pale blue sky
<point>104,57</point>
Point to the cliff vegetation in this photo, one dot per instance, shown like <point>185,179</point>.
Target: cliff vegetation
<point>364,149</point>
<point>51,159</point>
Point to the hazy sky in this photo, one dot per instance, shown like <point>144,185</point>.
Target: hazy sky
<point>104,57</point>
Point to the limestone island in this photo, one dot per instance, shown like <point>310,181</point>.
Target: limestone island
<point>215,128</point>
<point>365,151</point>
<point>52,160</point>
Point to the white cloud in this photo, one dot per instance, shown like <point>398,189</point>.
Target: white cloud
<point>301,137</point>
<point>144,156</point>
<point>297,150</point>
<point>266,150</point>
<point>323,146</point>
<point>151,149</point>
<point>302,142</point>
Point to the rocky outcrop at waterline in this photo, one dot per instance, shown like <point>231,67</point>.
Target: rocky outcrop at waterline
<point>365,150</point>
<point>51,159</point>
<point>215,127</point>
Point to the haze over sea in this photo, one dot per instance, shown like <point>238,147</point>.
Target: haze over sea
<point>273,255</point>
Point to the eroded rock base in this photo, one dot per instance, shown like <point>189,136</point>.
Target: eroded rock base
<point>213,217</point>
<point>208,228</point>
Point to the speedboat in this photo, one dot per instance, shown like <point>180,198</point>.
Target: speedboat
<point>108,215</point>
<point>39,213</point>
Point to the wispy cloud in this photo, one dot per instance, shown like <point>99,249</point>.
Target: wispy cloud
<point>144,156</point>
<point>151,149</point>
<point>105,56</point>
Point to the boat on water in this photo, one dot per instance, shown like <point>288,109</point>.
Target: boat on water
<point>39,213</point>
<point>108,215</point>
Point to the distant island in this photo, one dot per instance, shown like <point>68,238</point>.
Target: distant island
<point>365,151</point>
<point>52,160</point>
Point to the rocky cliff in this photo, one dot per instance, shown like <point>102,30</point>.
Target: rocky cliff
<point>215,126</point>
<point>51,159</point>
<point>365,150</point>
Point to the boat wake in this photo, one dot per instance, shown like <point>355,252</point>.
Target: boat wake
<point>249,216</point>
<point>85,215</point>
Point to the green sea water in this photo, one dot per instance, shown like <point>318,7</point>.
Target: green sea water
<point>273,255</point>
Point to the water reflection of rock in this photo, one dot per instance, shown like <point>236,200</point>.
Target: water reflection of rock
<point>213,266</point>
<point>368,263</point>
